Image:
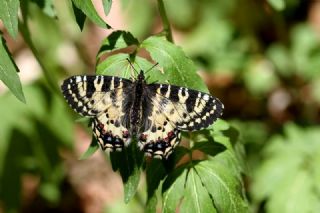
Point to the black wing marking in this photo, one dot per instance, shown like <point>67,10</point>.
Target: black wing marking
<point>170,110</point>
<point>187,109</point>
<point>103,98</point>
<point>91,95</point>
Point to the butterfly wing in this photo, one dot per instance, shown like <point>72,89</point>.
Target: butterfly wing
<point>104,99</point>
<point>170,110</point>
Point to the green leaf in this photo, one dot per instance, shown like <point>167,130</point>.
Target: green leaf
<point>8,72</point>
<point>79,15</point>
<point>173,189</point>
<point>155,172</point>
<point>115,65</point>
<point>118,65</point>
<point>87,8</point>
<point>197,198</point>
<point>115,41</point>
<point>292,163</point>
<point>179,69</point>
<point>39,127</point>
<point>106,6</point>
<point>9,16</point>
<point>224,187</point>
<point>295,195</point>
<point>128,162</point>
<point>277,4</point>
<point>214,184</point>
<point>210,147</point>
<point>93,147</point>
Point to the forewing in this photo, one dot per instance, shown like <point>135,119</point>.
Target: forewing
<point>91,95</point>
<point>187,109</point>
<point>104,99</point>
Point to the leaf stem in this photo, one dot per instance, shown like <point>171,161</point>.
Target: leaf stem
<point>24,30</point>
<point>165,21</point>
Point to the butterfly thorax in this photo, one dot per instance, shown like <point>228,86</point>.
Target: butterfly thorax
<point>136,109</point>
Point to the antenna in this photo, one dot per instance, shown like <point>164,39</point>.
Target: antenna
<point>151,68</point>
<point>132,66</point>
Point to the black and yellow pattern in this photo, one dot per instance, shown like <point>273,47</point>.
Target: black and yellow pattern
<point>154,113</point>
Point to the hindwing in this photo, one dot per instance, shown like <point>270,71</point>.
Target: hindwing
<point>102,98</point>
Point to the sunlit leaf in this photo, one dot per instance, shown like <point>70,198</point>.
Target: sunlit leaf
<point>176,65</point>
<point>196,197</point>
<point>118,65</point>
<point>87,8</point>
<point>223,186</point>
<point>115,41</point>
<point>173,189</point>
<point>8,72</point>
<point>9,16</point>
<point>79,15</point>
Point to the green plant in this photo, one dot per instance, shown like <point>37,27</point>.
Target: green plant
<point>288,178</point>
<point>205,177</point>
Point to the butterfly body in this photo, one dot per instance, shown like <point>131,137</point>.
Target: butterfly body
<point>155,114</point>
<point>136,108</point>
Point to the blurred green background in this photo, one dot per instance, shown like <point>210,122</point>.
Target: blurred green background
<point>261,58</point>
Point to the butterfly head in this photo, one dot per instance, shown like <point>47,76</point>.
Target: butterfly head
<point>141,76</point>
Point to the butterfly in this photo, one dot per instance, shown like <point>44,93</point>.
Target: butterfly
<point>155,114</point>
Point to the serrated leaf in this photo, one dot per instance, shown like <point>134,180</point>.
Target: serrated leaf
<point>224,187</point>
<point>79,15</point>
<point>106,6</point>
<point>115,41</point>
<point>196,198</point>
<point>179,69</point>
<point>87,8</point>
<point>277,4</point>
<point>93,147</point>
<point>9,16</point>
<point>8,72</point>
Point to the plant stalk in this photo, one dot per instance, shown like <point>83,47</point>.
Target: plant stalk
<point>165,21</point>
